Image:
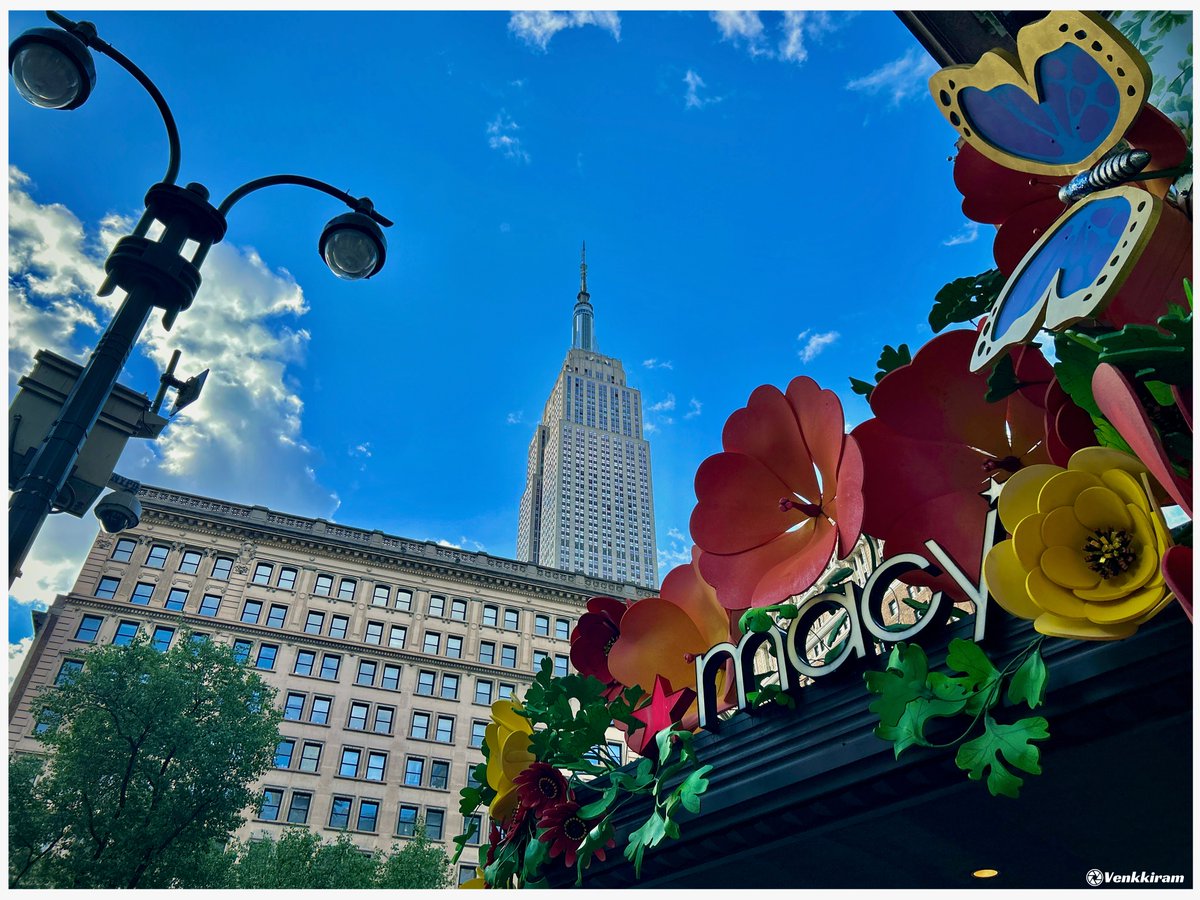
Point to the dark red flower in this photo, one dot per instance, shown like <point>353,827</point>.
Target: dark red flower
<point>564,830</point>
<point>540,785</point>
<point>594,635</point>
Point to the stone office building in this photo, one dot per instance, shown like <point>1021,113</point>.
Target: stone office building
<point>386,652</point>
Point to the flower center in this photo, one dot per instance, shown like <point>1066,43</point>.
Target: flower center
<point>1008,464</point>
<point>608,647</point>
<point>809,509</point>
<point>549,787</point>
<point>575,828</point>
<point>1109,552</point>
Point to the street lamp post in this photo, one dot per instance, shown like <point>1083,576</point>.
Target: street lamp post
<point>53,68</point>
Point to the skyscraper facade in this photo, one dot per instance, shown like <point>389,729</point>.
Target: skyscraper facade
<point>588,504</point>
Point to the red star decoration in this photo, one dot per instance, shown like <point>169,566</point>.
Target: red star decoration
<point>666,708</point>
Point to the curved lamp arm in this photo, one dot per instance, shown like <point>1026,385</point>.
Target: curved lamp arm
<point>86,32</point>
<point>358,204</point>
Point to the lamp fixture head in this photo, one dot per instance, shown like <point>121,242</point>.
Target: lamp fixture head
<point>353,246</point>
<point>51,68</point>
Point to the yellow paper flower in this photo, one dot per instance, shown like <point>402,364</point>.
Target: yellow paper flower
<point>507,739</point>
<point>475,883</point>
<point>1087,542</point>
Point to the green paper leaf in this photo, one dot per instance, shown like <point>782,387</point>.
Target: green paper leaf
<point>1163,352</point>
<point>1108,436</point>
<point>1002,381</point>
<point>861,387</point>
<point>965,299</point>
<point>979,675</point>
<point>892,358</point>
<point>837,576</point>
<point>599,836</point>
<point>910,730</point>
<point>536,854</point>
<point>788,611</point>
<point>599,807</point>
<point>691,789</point>
<point>1077,357</point>
<point>999,744</point>
<point>902,682</point>
<point>1161,392</point>
<point>1028,684</point>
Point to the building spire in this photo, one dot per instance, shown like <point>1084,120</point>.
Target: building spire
<point>583,328</point>
<point>584,296</point>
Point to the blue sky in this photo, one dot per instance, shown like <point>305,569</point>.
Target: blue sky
<point>763,195</point>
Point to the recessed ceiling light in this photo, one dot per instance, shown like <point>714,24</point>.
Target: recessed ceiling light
<point>985,873</point>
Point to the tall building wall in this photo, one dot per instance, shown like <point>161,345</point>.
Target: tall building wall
<point>386,652</point>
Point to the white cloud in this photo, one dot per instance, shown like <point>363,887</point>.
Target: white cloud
<point>899,79</point>
<point>799,24</point>
<point>650,428</point>
<point>515,418</point>
<point>742,28</point>
<point>815,344</point>
<point>692,98</point>
<point>363,449</point>
<point>464,543</point>
<point>966,235</point>
<point>537,27</point>
<point>502,136</point>
<point>694,411</point>
<point>16,656</point>
<point>663,405</point>
<point>242,440</point>
<point>676,552</point>
<point>745,28</point>
<point>657,364</point>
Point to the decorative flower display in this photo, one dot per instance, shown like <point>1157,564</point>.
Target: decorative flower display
<point>564,830</point>
<point>540,786</point>
<point>593,638</point>
<point>1087,541</point>
<point>935,442</point>
<point>781,500</point>
<point>507,740</point>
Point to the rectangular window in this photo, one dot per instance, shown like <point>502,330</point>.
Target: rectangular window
<point>262,573</point>
<point>374,633</point>
<point>346,589</point>
<point>505,691</point>
<point>454,645</point>
<point>320,710</point>
<point>241,650</point>
<point>434,821</point>
<point>508,656</point>
<point>339,812</point>
<point>562,629</point>
<point>445,730</point>
<point>376,764</point>
<point>293,708</point>
<point>251,611</point>
<point>330,663</point>
<point>123,552</point>
<point>276,615</point>
<point>358,716</point>
<point>384,716</point>
<point>406,822</point>
<point>366,672</point>
<point>458,610</point>
<point>437,606</point>
<point>189,563</point>
<point>266,657</point>
<point>210,605</point>
<point>425,683</point>
<point>314,622</point>
<point>449,687</point>
<point>287,578</point>
<point>298,811</point>
<point>404,599</point>
<point>142,593</point>
<point>483,691</point>
<point>439,774</point>
<point>381,595</point>
<point>512,619</point>
<point>107,588</point>
<point>67,672</point>
<point>46,720</point>
<point>397,635</point>
<point>283,754</point>
<point>305,660</point>
<point>420,726</point>
<point>310,757</point>
<point>89,627</point>
<point>348,767</point>
<point>539,656</point>
<point>465,874</point>
<point>614,751</point>
<point>391,677</point>
<point>157,559</point>
<point>323,586</point>
<point>432,642</point>
<point>541,625</point>
<point>560,665</point>
<point>338,626</point>
<point>487,652</point>
<point>272,800</point>
<point>489,615</point>
<point>176,599</point>
<point>472,828</point>
<point>222,566</point>
<point>414,771</point>
<point>368,815</point>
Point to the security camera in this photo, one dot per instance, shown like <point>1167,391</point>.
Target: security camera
<point>118,511</point>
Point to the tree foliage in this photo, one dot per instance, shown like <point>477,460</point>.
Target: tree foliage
<point>150,758</point>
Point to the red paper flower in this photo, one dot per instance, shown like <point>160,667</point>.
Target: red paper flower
<point>564,830</point>
<point>594,635</point>
<point>539,786</point>
<point>934,443</point>
<point>782,500</point>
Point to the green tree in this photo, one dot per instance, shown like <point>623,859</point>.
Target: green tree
<point>418,864</point>
<point>150,758</point>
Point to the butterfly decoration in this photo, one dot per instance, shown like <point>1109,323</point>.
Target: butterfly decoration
<point>1060,117</point>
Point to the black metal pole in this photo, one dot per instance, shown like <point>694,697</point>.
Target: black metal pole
<point>52,464</point>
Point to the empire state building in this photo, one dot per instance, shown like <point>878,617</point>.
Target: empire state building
<point>588,505</point>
